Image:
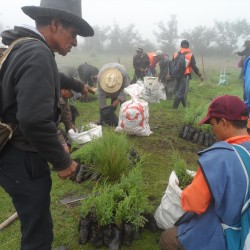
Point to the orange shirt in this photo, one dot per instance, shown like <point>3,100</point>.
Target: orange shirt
<point>196,197</point>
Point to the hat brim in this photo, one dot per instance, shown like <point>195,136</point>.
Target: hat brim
<point>83,28</point>
<point>205,120</point>
<point>103,78</point>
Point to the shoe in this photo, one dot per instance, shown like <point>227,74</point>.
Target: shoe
<point>61,248</point>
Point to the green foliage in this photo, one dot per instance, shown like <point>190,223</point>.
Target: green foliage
<point>180,168</point>
<point>124,201</point>
<point>107,156</point>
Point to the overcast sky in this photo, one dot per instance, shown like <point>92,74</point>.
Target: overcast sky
<point>145,14</point>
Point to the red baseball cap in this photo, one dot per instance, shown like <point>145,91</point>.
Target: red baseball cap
<point>228,107</point>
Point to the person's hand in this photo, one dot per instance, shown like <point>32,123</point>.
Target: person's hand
<point>168,77</point>
<point>85,90</point>
<point>115,103</point>
<point>201,78</point>
<point>66,148</point>
<point>68,172</point>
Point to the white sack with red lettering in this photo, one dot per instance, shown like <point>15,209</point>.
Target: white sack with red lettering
<point>133,118</point>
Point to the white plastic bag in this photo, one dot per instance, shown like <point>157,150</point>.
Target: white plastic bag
<point>169,211</point>
<point>85,136</point>
<point>133,118</point>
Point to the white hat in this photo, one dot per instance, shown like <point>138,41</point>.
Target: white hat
<point>111,80</point>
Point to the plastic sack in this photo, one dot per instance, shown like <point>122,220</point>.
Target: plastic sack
<point>153,90</point>
<point>134,90</point>
<point>133,118</point>
<point>85,136</point>
<point>169,211</point>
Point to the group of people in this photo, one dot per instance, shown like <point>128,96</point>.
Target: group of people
<point>30,90</point>
<point>145,65</point>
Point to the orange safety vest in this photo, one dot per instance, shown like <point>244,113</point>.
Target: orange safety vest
<point>152,58</point>
<point>188,56</point>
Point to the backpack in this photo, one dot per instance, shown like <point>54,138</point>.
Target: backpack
<point>177,66</point>
<point>238,236</point>
<point>6,130</point>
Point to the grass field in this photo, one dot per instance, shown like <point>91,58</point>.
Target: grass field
<point>157,149</point>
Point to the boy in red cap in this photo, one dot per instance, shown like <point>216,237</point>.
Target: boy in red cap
<point>218,190</point>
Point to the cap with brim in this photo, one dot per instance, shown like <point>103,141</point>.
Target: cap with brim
<point>227,107</point>
<point>35,12</point>
<point>111,80</point>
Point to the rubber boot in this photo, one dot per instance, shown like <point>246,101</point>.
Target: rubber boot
<point>84,229</point>
<point>176,103</point>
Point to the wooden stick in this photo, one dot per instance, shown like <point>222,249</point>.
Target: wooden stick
<point>8,221</point>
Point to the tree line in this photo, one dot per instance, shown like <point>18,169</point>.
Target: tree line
<point>222,38</point>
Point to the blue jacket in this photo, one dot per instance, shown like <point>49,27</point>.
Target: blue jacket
<point>227,183</point>
<point>247,82</point>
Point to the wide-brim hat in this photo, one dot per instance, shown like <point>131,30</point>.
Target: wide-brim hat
<point>111,80</point>
<point>68,10</point>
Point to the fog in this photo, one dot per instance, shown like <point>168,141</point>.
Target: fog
<point>145,14</point>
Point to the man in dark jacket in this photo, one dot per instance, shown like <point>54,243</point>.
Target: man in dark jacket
<point>88,74</point>
<point>30,90</point>
<point>140,64</point>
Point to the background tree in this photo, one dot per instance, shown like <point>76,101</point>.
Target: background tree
<point>167,36</point>
<point>98,42</point>
<point>201,39</point>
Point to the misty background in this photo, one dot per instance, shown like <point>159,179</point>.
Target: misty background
<point>215,27</point>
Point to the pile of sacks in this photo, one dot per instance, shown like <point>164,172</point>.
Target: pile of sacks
<point>134,114</point>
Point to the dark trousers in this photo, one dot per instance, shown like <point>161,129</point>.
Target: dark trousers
<point>181,88</point>
<point>25,176</point>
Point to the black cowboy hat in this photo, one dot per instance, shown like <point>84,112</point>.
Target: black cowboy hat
<point>68,10</point>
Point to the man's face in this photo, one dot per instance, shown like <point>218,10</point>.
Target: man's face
<point>64,38</point>
<point>218,128</point>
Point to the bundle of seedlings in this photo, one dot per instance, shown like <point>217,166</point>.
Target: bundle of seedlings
<point>180,167</point>
<point>114,216</point>
<point>106,157</point>
<point>191,131</point>
<point>204,135</point>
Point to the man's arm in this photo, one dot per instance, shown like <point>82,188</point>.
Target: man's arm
<point>196,197</point>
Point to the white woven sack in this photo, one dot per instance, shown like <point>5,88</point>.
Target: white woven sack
<point>153,90</point>
<point>169,211</point>
<point>86,136</point>
<point>134,90</point>
<point>133,118</point>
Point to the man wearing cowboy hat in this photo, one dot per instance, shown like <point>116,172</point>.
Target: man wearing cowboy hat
<point>111,81</point>
<point>30,90</point>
